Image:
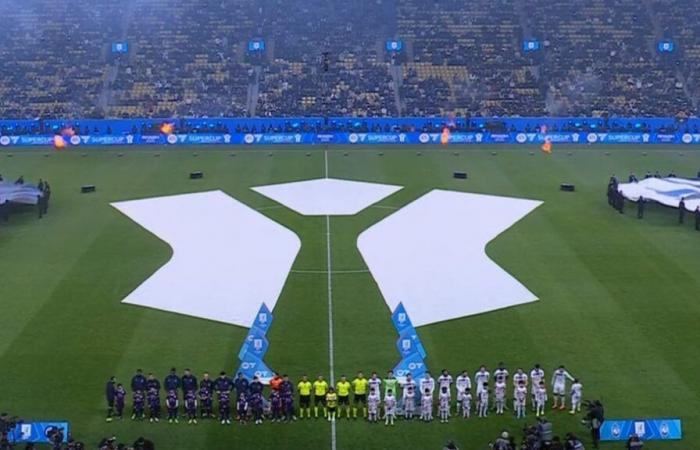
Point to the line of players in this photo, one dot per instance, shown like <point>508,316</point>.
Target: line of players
<point>416,401</point>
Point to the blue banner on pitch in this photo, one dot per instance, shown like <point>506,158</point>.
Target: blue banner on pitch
<point>37,432</point>
<point>255,343</point>
<point>412,364</point>
<point>263,319</point>
<point>409,342</point>
<point>646,429</point>
<point>252,366</point>
<point>400,318</point>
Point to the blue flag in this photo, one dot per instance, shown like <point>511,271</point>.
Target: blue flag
<point>252,366</point>
<point>412,364</point>
<point>400,318</point>
<point>409,342</point>
<point>255,342</point>
<point>263,319</point>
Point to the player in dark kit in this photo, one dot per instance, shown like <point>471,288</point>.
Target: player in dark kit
<point>224,408</point>
<point>223,383</point>
<point>138,381</point>
<point>205,402</point>
<point>241,384</point>
<point>153,398</point>
<point>110,394</point>
<point>172,403</point>
<point>139,401</point>
<point>242,408</point>
<point>191,407</point>
<point>207,383</point>
<point>276,404</point>
<point>172,381</point>
<point>287,391</point>
<point>152,383</point>
<point>256,407</point>
<point>256,387</point>
<point>189,382</point>
<point>288,405</point>
<point>120,400</point>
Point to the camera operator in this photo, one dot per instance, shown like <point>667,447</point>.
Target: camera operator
<point>634,443</point>
<point>573,443</point>
<point>595,418</point>
<point>531,440</point>
<point>56,438</point>
<point>544,432</point>
<point>504,442</point>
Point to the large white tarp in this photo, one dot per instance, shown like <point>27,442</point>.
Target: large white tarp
<point>431,255</point>
<point>667,191</point>
<point>227,258</point>
<point>327,196</point>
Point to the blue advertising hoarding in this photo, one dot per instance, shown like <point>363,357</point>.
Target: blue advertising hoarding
<point>646,429</point>
<point>37,432</point>
<point>355,139</point>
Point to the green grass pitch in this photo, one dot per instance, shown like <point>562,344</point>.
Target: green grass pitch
<point>619,297</point>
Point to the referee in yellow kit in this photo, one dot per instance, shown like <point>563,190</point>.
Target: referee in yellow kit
<point>359,387</point>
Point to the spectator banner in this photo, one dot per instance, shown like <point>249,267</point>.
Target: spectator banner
<point>413,138</point>
<point>645,429</point>
<point>38,432</point>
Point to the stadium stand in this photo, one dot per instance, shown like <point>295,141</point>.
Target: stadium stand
<point>597,59</point>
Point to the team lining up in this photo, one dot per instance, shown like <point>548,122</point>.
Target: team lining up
<point>416,401</point>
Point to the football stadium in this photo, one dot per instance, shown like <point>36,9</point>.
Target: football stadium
<point>362,224</point>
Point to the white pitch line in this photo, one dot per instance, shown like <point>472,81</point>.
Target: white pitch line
<point>384,207</point>
<point>335,272</point>
<point>267,208</point>
<point>331,357</point>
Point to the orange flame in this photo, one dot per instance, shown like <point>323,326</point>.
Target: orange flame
<point>445,137</point>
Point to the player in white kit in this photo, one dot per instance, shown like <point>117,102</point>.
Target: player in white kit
<point>501,373</point>
<point>409,382</point>
<point>540,399</point>
<point>482,405</point>
<point>444,404</point>
<point>536,376</point>
<point>480,377</point>
<point>467,403</point>
<point>500,395</point>
<point>520,400</point>
<point>445,381</point>
<point>389,408</point>
<point>427,382</point>
<point>409,402</point>
<point>373,405</point>
<point>462,384</point>
<point>375,383</point>
<point>426,406</point>
<point>559,387</point>
<point>576,396</point>
<point>519,377</point>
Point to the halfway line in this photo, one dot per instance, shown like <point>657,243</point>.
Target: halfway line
<point>330,306</point>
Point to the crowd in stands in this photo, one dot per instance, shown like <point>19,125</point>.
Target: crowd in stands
<point>328,58</point>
